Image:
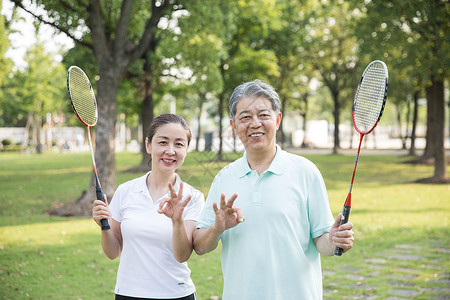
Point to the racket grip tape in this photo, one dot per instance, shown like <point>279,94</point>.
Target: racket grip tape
<point>344,219</point>
<point>99,192</point>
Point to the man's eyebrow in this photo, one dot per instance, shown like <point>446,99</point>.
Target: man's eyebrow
<point>259,110</point>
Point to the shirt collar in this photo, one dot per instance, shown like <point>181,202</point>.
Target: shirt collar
<point>142,183</point>
<point>276,166</point>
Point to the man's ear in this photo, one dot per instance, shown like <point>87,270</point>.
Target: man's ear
<point>279,117</point>
<point>233,125</point>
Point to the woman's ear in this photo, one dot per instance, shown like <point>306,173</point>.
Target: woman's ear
<point>148,145</point>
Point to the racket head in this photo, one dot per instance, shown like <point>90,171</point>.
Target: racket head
<point>82,96</point>
<point>370,97</point>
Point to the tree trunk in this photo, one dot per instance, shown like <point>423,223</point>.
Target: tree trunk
<point>220,152</point>
<point>436,92</point>
<point>336,121</point>
<point>305,141</point>
<point>26,136</point>
<point>412,149</point>
<point>105,131</point>
<point>399,128</point>
<point>429,146</point>
<point>147,113</point>
<point>281,131</point>
<point>199,118</point>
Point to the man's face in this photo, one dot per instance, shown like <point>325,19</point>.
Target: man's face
<point>256,123</point>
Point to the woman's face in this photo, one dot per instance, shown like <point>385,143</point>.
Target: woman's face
<point>168,147</point>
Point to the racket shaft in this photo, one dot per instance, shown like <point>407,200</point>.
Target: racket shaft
<point>344,219</point>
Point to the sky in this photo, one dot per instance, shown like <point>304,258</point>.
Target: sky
<point>25,37</point>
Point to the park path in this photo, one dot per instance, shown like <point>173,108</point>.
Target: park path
<point>403,281</point>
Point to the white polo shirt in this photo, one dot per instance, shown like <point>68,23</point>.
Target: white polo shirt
<point>271,255</point>
<point>147,267</point>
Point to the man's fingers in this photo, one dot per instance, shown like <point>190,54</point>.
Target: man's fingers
<point>222,201</point>
<point>346,226</point>
<point>230,201</point>
<point>338,220</point>
<point>215,208</point>
<point>239,216</point>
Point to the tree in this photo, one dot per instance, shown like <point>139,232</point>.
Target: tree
<point>119,33</point>
<point>40,90</point>
<point>243,58</point>
<point>422,29</point>
<point>333,50</point>
<point>32,93</point>
<point>5,69</point>
<point>285,38</point>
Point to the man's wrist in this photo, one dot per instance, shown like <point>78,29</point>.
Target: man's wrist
<point>215,230</point>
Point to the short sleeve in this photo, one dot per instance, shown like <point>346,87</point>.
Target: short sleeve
<point>115,205</point>
<point>195,206</point>
<point>319,211</point>
<point>208,216</point>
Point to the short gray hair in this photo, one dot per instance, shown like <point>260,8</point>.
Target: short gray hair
<point>255,88</point>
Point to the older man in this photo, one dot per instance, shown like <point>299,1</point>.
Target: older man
<point>277,220</point>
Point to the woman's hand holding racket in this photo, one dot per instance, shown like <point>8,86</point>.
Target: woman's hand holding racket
<point>368,107</point>
<point>101,211</point>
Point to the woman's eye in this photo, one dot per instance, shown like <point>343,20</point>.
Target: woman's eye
<point>162,143</point>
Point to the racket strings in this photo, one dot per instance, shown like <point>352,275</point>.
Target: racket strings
<point>82,97</point>
<point>369,98</point>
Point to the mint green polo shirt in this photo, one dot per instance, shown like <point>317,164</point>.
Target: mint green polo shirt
<point>271,255</point>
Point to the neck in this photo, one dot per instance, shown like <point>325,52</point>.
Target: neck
<point>260,160</point>
<point>158,181</point>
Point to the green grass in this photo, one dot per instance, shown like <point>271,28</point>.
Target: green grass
<point>48,257</point>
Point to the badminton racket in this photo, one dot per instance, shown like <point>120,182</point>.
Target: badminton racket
<point>84,104</point>
<point>368,106</point>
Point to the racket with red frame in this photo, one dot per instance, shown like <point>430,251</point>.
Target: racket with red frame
<point>368,107</point>
<point>84,104</point>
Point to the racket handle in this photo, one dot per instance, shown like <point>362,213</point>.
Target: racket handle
<point>98,190</point>
<point>344,219</point>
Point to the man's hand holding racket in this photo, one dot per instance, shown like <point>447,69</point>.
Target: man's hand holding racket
<point>341,236</point>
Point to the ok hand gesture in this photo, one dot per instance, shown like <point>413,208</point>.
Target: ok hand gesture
<point>227,216</point>
<point>173,206</point>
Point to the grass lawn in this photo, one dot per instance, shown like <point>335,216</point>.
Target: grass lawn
<point>402,246</point>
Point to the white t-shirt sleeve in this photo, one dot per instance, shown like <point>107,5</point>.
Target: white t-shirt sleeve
<point>194,208</point>
<point>115,206</point>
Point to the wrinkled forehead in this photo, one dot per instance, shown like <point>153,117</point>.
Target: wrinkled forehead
<point>253,104</point>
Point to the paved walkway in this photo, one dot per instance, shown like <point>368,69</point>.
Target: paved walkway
<point>402,281</point>
<point>326,151</point>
